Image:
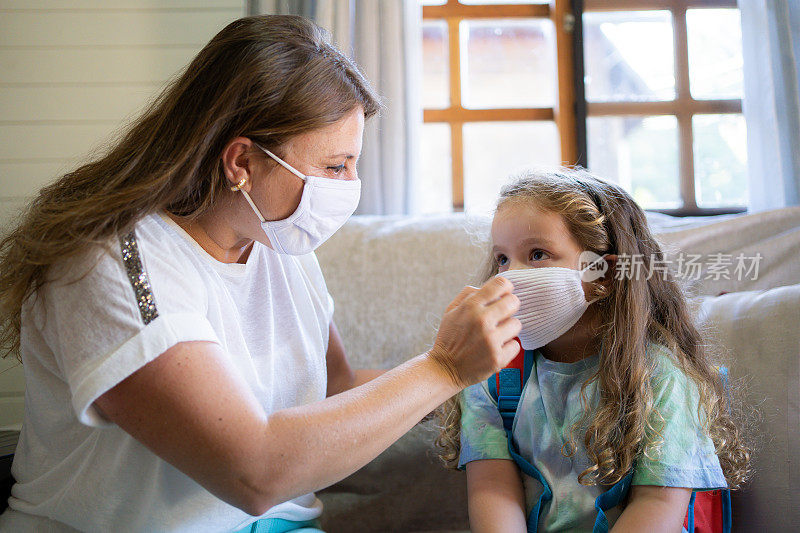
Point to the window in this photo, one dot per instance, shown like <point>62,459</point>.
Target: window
<point>497,97</point>
<point>651,99</point>
<point>663,84</point>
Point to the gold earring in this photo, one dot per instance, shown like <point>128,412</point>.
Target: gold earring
<point>239,185</point>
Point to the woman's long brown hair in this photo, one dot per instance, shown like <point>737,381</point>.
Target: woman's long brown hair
<point>267,78</point>
<point>635,312</point>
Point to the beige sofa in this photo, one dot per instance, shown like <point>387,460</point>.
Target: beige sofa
<point>392,277</point>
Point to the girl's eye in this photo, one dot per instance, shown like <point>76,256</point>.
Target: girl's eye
<point>539,255</point>
<point>501,260</point>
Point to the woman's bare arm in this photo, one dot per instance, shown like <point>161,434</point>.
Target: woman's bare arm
<point>192,408</point>
<point>496,497</point>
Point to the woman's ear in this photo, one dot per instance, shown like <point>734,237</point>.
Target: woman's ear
<point>237,162</point>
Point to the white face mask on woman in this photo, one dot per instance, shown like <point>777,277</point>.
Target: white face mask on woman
<point>551,301</point>
<point>324,207</point>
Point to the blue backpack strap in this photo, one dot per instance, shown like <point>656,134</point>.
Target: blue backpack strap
<point>610,499</point>
<point>508,395</point>
<point>727,511</point>
<point>690,513</point>
<point>510,390</point>
<point>532,471</point>
<point>507,398</point>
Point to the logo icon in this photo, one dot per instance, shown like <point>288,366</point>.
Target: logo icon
<point>594,266</point>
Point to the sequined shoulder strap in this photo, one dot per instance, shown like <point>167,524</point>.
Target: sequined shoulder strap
<point>137,275</point>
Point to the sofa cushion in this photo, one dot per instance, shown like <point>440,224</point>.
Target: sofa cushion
<point>774,236</point>
<point>405,489</point>
<point>761,331</point>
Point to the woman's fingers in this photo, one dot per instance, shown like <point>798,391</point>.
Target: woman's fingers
<point>493,290</point>
<point>508,330</point>
<point>503,307</point>
<point>510,351</point>
<point>463,295</point>
<point>476,337</point>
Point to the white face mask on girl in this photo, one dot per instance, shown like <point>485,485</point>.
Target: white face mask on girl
<point>551,301</point>
<point>324,207</point>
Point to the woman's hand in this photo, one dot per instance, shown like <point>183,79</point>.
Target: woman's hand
<point>477,334</point>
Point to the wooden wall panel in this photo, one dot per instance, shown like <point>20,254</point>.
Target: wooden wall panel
<point>47,67</point>
<point>72,76</point>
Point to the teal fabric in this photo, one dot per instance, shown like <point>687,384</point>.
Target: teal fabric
<point>279,525</point>
<point>549,405</point>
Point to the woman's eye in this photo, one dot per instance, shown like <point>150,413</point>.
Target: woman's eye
<point>337,169</point>
<point>501,260</point>
<point>539,255</point>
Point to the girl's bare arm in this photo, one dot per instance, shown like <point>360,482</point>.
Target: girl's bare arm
<point>654,509</point>
<point>496,497</point>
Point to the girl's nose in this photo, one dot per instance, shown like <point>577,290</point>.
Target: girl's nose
<point>516,265</point>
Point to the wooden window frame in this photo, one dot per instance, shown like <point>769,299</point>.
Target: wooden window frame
<point>684,106</point>
<point>571,107</point>
<point>456,115</point>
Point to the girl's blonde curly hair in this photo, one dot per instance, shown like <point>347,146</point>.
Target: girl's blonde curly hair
<point>633,313</point>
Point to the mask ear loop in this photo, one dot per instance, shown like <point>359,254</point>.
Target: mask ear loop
<point>283,163</point>
<point>238,187</point>
<point>250,201</point>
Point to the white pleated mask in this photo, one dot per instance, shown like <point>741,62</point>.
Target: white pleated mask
<point>551,301</point>
<point>325,205</point>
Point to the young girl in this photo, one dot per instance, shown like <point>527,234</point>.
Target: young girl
<point>621,385</point>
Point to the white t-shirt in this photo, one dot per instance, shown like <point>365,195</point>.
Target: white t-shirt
<point>271,317</point>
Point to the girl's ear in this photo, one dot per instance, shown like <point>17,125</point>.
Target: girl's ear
<point>601,288</point>
<point>608,277</point>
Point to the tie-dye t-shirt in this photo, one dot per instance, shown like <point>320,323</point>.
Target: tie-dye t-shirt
<point>549,406</point>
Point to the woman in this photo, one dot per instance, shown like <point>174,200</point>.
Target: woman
<point>173,322</point>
